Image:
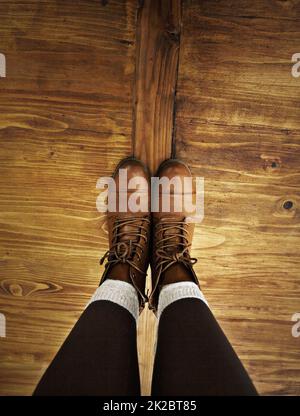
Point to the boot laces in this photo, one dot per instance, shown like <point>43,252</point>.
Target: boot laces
<point>124,250</point>
<point>172,244</point>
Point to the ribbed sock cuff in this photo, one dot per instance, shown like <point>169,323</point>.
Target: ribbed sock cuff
<point>119,292</point>
<point>175,291</point>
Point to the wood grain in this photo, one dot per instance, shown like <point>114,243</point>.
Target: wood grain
<point>238,126</point>
<point>65,120</point>
<point>157,53</point>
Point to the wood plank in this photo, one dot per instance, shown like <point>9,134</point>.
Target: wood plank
<point>65,120</point>
<point>157,53</point>
<point>238,126</point>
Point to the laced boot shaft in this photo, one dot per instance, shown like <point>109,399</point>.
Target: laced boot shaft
<point>172,244</point>
<point>130,239</point>
<point>127,258</point>
<point>172,237</point>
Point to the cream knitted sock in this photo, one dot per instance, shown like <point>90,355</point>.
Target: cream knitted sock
<point>119,292</point>
<point>175,291</point>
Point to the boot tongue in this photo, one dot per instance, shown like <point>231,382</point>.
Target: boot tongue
<point>176,272</point>
<point>176,237</point>
<point>129,233</point>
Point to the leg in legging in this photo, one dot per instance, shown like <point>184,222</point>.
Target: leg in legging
<point>99,357</point>
<point>193,355</point>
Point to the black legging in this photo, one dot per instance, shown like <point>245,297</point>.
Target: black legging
<point>193,355</point>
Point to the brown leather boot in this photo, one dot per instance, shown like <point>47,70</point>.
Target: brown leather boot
<point>172,235</point>
<point>127,257</point>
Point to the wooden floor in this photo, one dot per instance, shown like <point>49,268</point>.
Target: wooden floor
<point>72,106</point>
